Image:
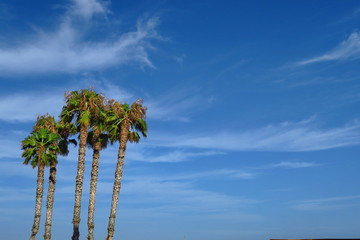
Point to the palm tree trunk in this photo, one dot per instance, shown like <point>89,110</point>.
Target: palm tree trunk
<point>117,181</point>
<point>93,183</point>
<point>79,181</point>
<point>50,202</point>
<point>38,202</point>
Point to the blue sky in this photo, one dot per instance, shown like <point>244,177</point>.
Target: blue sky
<point>253,113</point>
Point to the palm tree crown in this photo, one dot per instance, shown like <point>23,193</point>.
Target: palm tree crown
<point>39,148</point>
<point>122,117</point>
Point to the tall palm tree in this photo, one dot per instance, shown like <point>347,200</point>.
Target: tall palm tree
<point>97,140</point>
<point>124,124</point>
<point>48,122</point>
<point>80,107</point>
<point>39,150</point>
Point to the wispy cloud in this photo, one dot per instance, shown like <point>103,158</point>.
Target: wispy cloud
<point>287,136</point>
<point>230,68</point>
<point>88,8</point>
<point>24,107</point>
<point>15,194</point>
<point>67,49</point>
<point>347,50</point>
<point>352,16</point>
<point>14,169</point>
<point>294,164</point>
<point>180,195</point>
<point>172,156</point>
<point>193,176</point>
<point>174,106</point>
<point>323,204</point>
<point>287,165</point>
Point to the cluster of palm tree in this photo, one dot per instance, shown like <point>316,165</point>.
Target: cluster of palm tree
<point>96,121</point>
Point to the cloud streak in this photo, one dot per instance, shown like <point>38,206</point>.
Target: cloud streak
<point>324,204</point>
<point>174,106</point>
<point>347,50</point>
<point>25,107</point>
<point>172,156</point>
<point>88,8</point>
<point>68,50</point>
<point>287,164</point>
<point>285,137</point>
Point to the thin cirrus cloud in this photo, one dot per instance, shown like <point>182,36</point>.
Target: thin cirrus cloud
<point>324,204</point>
<point>175,106</point>
<point>294,164</point>
<point>285,137</point>
<point>182,193</point>
<point>347,50</point>
<point>67,50</point>
<point>173,156</point>
<point>26,106</point>
<point>192,176</point>
<point>287,165</point>
<point>88,8</point>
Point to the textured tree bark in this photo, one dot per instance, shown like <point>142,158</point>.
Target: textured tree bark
<point>93,183</point>
<point>38,201</point>
<point>50,202</point>
<point>117,181</point>
<point>79,182</point>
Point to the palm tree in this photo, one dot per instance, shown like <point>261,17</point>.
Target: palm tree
<point>97,139</point>
<point>48,122</point>
<point>39,150</point>
<point>80,107</point>
<point>124,124</point>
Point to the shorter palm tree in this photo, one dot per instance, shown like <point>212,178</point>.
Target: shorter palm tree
<point>64,130</point>
<point>39,150</point>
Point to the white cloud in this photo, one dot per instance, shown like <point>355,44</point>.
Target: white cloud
<point>173,156</point>
<point>193,176</point>
<point>179,196</point>
<point>68,50</point>
<point>24,107</point>
<point>16,194</point>
<point>287,136</point>
<point>15,168</point>
<point>88,8</point>
<point>347,50</point>
<point>174,106</point>
<point>324,204</point>
<point>113,91</point>
<point>10,148</point>
<point>292,164</point>
<point>287,165</point>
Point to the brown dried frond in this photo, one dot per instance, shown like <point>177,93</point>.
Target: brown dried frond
<point>117,108</point>
<point>45,121</point>
<point>137,110</point>
<point>67,94</point>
